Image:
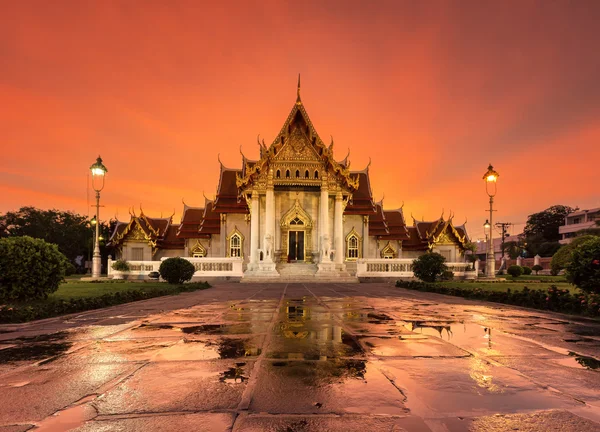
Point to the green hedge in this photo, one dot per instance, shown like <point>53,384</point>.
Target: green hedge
<point>50,308</point>
<point>554,299</point>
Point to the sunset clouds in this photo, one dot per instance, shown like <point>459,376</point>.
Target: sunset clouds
<point>431,91</point>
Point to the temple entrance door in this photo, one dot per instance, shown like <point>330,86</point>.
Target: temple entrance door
<point>296,245</point>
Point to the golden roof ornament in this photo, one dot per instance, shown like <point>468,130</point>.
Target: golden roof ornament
<point>298,100</point>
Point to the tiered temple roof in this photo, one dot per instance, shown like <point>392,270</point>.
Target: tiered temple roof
<point>424,235</point>
<point>158,232</point>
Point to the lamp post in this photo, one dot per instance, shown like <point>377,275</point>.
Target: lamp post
<point>92,225</point>
<point>490,178</point>
<point>98,173</point>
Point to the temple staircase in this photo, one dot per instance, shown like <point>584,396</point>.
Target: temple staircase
<point>303,273</point>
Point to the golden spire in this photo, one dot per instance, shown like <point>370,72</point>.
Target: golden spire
<point>298,100</point>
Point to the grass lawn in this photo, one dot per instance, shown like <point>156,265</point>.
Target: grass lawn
<point>77,296</point>
<point>532,277</point>
<point>513,286</point>
<point>78,289</point>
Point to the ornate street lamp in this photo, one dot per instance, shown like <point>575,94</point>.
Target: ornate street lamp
<point>98,173</point>
<point>490,178</point>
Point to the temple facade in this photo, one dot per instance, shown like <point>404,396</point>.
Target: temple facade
<point>294,210</point>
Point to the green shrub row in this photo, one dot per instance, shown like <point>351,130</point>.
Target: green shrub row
<point>50,307</point>
<point>554,299</point>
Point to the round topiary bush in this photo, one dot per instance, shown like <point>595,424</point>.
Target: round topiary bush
<point>447,275</point>
<point>121,265</point>
<point>30,268</point>
<point>176,270</point>
<point>584,268</point>
<point>527,270</point>
<point>515,271</point>
<point>429,266</point>
<point>536,268</point>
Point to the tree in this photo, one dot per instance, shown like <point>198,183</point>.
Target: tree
<point>584,268</point>
<point>71,232</point>
<point>544,225</point>
<point>429,266</point>
<point>513,249</point>
<point>562,258</point>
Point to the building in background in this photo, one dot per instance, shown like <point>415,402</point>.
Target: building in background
<point>578,221</point>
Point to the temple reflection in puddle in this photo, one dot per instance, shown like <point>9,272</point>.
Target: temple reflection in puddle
<point>309,331</point>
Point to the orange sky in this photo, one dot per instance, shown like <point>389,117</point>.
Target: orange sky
<point>432,92</point>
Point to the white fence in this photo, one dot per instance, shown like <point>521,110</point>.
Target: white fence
<point>205,267</point>
<point>402,267</point>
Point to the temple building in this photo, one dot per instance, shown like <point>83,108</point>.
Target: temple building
<point>295,210</point>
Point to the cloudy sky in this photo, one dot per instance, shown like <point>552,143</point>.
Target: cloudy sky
<point>431,91</point>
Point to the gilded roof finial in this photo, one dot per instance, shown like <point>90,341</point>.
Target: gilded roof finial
<point>298,100</point>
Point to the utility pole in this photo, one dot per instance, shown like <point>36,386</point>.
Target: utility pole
<point>504,227</point>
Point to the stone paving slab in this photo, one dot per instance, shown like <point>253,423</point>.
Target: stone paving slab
<point>302,357</point>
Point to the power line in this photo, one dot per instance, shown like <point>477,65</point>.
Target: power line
<point>504,226</point>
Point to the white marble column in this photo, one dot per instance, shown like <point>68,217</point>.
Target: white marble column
<point>254,211</point>
<point>365,238</point>
<point>324,221</point>
<point>269,242</point>
<point>339,229</point>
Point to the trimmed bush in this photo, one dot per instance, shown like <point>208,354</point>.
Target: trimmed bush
<point>554,299</point>
<point>51,307</point>
<point>30,268</point>
<point>562,258</point>
<point>536,268</point>
<point>447,275</point>
<point>429,266</point>
<point>515,271</point>
<point>176,270</point>
<point>584,268</point>
<point>527,270</point>
<point>120,265</point>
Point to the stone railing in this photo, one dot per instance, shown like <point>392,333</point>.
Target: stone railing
<point>402,267</point>
<point>217,266</point>
<point>399,267</point>
<point>205,267</point>
<point>137,269</point>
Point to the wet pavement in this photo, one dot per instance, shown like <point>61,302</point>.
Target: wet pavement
<point>302,357</point>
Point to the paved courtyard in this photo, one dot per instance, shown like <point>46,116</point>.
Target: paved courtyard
<point>302,357</point>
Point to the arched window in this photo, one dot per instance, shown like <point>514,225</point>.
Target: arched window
<point>287,174</point>
<point>353,246</point>
<point>297,174</point>
<point>198,251</point>
<point>316,174</point>
<point>278,175</point>
<point>388,252</point>
<point>235,244</point>
<point>306,175</point>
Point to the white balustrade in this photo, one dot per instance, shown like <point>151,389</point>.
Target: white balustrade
<point>204,267</point>
<point>402,267</point>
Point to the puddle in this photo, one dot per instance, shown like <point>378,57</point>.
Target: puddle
<point>67,419</point>
<point>584,361</point>
<point>191,350</point>
<point>234,348</point>
<point>208,329</point>
<point>51,337</point>
<point>322,372</point>
<point>154,327</point>
<point>234,375</point>
<point>32,352</point>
